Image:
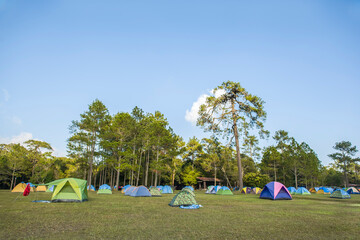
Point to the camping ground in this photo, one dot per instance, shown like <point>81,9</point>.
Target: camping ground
<point>222,217</point>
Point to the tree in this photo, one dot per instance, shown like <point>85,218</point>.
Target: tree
<point>230,112</point>
<point>90,126</point>
<point>344,157</point>
<point>35,154</point>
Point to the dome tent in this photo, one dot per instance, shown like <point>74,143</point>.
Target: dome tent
<point>352,190</point>
<point>124,188</point>
<point>246,190</point>
<point>209,189</point>
<point>302,191</point>
<point>275,191</point>
<point>69,190</point>
<point>256,190</point>
<point>19,188</point>
<point>339,193</point>
<point>224,191</point>
<point>140,191</point>
<point>92,188</point>
<point>183,198</point>
<point>323,190</point>
<point>41,188</point>
<point>189,187</point>
<point>166,190</point>
<point>215,189</point>
<point>188,190</point>
<point>129,190</point>
<point>105,186</point>
<point>154,191</point>
<point>292,190</point>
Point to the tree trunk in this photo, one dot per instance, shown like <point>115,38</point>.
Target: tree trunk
<point>215,176</point>
<point>295,172</point>
<point>124,178</point>
<point>138,173</point>
<point>118,174</point>
<point>173,178</point>
<point>236,135</point>
<point>91,160</point>
<point>147,169</point>
<point>157,161</point>
<point>12,179</point>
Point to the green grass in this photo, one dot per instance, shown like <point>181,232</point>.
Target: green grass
<point>222,217</point>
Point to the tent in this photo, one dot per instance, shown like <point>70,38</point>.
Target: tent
<point>189,187</point>
<point>129,190</point>
<point>352,190</point>
<point>209,189</point>
<point>50,189</point>
<point>105,186</point>
<point>256,190</point>
<point>189,190</point>
<point>19,188</point>
<point>160,187</point>
<point>314,190</point>
<point>104,191</point>
<point>154,191</point>
<point>41,188</point>
<point>215,189</point>
<point>69,190</point>
<point>224,191</point>
<point>140,191</point>
<point>292,190</point>
<point>275,191</point>
<point>166,190</point>
<point>302,191</point>
<point>246,190</point>
<point>323,190</point>
<point>124,188</point>
<point>339,193</point>
<point>183,198</point>
<point>92,188</point>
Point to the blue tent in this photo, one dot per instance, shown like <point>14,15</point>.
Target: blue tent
<point>166,190</point>
<point>160,187</point>
<point>215,189</point>
<point>189,187</point>
<point>292,190</point>
<point>275,191</point>
<point>325,189</point>
<point>92,188</point>
<point>140,191</point>
<point>129,190</point>
<point>352,190</point>
<point>105,186</point>
<point>302,191</point>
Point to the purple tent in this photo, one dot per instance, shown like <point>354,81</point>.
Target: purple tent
<point>275,191</point>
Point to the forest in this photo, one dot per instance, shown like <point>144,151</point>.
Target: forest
<point>140,148</point>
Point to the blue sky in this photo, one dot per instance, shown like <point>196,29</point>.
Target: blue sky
<point>301,57</point>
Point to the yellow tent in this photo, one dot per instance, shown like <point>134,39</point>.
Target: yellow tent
<point>312,190</point>
<point>41,188</point>
<point>19,188</point>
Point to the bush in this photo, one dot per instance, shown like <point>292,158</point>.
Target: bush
<point>256,180</point>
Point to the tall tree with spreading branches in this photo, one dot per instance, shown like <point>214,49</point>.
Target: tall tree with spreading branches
<point>231,111</point>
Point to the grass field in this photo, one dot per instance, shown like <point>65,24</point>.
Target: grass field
<point>222,217</point>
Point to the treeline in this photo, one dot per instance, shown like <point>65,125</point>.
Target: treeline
<point>140,148</point>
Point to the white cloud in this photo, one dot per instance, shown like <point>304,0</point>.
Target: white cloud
<point>193,114</point>
<point>21,138</point>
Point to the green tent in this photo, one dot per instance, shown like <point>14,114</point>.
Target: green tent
<point>155,192</point>
<point>183,198</point>
<point>69,190</point>
<point>188,190</point>
<point>104,191</point>
<point>224,191</point>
